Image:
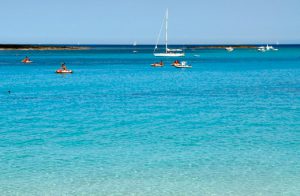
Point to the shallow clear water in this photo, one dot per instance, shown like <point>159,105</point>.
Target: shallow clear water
<point>117,126</point>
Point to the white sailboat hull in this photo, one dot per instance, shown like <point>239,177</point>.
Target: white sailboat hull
<point>168,54</point>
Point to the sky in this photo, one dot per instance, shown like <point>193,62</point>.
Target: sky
<point>126,21</point>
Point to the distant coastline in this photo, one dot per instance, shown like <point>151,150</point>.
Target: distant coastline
<point>45,47</point>
<point>223,46</point>
<point>40,47</point>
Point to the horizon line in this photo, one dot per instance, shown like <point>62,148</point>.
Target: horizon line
<point>145,44</point>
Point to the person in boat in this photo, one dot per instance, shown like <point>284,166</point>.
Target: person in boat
<point>26,59</point>
<point>63,66</point>
<point>176,62</point>
<point>157,64</point>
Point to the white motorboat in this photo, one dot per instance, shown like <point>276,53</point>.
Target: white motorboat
<point>182,64</point>
<point>229,49</point>
<point>168,52</point>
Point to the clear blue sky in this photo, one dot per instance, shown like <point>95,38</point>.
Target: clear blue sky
<point>124,21</point>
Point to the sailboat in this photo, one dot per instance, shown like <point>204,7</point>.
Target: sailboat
<point>271,48</point>
<point>266,48</point>
<point>134,45</point>
<point>168,52</point>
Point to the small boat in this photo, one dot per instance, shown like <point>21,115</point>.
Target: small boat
<point>160,64</point>
<point>229,49</point>
<point>266,48</point>
<point>261,49</point>
<point>183,64</point>
<point>26,61</point>
<point>157,65</point>
<point>63,69</point>
<point>60,71</point>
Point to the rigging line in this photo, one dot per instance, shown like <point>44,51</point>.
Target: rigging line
<point>161,27</point>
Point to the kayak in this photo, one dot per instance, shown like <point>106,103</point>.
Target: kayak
<point>26,61</point>
<point>60,71</point>
<point>157,65</point>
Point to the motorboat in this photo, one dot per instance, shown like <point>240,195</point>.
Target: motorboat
<point>229,49</point>
<point>182,64</point>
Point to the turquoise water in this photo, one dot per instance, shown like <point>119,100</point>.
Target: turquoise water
<point>117,126</point>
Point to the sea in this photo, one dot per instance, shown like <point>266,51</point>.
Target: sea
<point>228,126</point>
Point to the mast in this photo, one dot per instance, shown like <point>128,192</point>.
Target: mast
<point>167,17</point>
<point>158,37</point>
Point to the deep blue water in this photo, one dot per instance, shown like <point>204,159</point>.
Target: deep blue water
<point>117,126</point>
